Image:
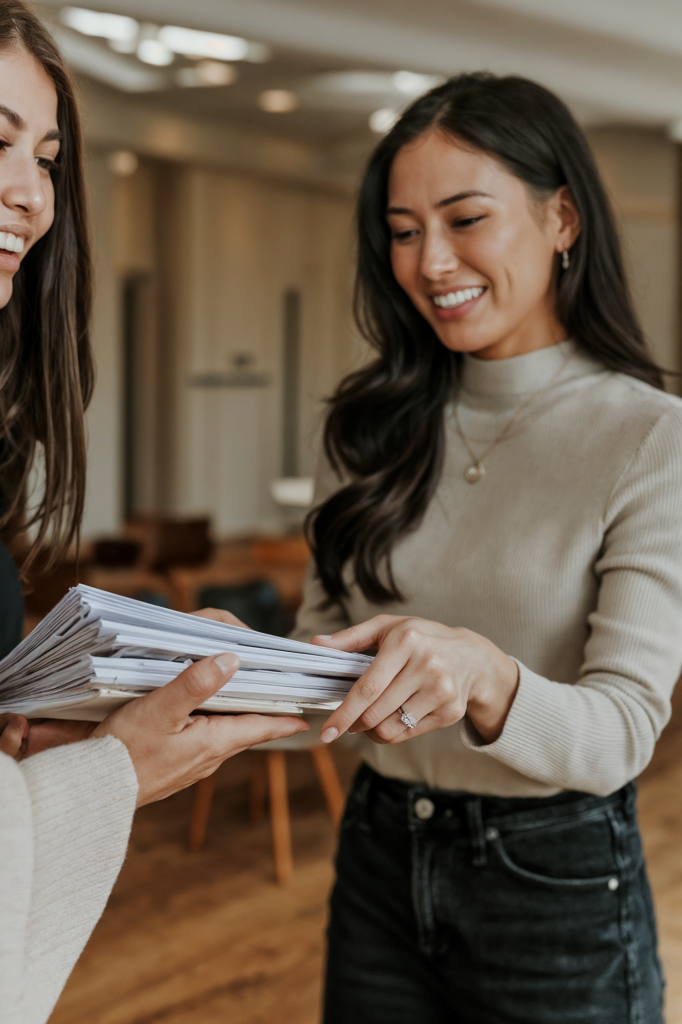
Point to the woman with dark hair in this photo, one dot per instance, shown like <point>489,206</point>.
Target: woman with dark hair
<point>65,814</point>
<point>499,514</point>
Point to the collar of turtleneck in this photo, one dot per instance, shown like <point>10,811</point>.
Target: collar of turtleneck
<point>524,374</point>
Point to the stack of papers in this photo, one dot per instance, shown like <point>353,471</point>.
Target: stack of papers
<point>96,650</point>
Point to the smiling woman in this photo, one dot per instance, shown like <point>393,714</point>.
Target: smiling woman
<point>499,514</point>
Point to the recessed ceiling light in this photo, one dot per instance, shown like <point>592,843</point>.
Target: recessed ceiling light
<point>206,73</point>
<point>413,84</point>
<point>153,51</point>
<point>123,163</point>
<point>214,45</point>
<point>278,101</point>
<point>115,27</point>
<point>381,121</point>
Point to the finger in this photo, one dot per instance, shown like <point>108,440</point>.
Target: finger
<point>427,724</point>
<point>47,733</point>
<point>173,703</point>
<point>407,691</point>
<point>232,733</point>
<point>358,638</point>
<point>388,663</point>
<point>13,735</point>
<point>220,615</point>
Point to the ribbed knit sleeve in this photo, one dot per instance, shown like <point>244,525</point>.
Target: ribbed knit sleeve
<point>599,732</point>
<point>69,811</point>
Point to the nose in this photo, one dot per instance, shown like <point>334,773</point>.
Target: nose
<point>23,191</point>
<point>438,256</point>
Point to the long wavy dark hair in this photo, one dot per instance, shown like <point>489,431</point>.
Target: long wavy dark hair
<point>46,368</point>
<point>384,435</point>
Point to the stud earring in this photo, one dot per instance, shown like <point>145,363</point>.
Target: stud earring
<point>565,259</point>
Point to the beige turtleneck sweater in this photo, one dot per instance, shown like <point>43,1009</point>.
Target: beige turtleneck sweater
<point>567,555</point>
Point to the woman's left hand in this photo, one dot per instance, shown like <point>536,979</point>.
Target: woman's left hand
<point>436,673</point>
<point>20,738</point>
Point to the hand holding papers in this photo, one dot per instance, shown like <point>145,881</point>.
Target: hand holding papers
<point>95,651</point>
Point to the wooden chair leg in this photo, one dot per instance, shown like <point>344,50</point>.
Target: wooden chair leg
<point>257,786</point>
<point>279,815</point>
<point>201,810</point>
<point>329,781</point>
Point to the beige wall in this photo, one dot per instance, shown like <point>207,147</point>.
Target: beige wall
<point>641,168</point>
<point>218,250</point>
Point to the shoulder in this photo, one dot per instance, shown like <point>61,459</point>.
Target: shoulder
<point>626,412</point>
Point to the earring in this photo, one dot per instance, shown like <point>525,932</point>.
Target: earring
<point>565,259</point>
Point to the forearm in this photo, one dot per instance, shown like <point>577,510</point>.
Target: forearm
<point>593,736</point>
<point>82,802</point>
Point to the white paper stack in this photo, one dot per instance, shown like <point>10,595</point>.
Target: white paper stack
<point>95,651</point>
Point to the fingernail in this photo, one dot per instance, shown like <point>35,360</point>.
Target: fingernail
<point>323,636</point>
<point>16,722</point>
<point>327,735</point>
<point>227,663</point>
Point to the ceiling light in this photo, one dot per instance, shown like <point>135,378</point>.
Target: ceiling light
<point>206,72</point>
<point>381,121</point>
<point>153,51</point>
<point>278,101</point>
<point>123,163</point>
<point>415,85</point>
<point>115,27</point>
<point>191,43</point>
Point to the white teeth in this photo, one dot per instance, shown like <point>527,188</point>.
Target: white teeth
<point>453,299</point>
<point>10,242</point>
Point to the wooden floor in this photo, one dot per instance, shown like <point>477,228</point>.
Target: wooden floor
<point>209,938</point>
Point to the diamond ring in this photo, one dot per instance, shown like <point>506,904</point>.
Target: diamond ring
<point>407,718</point>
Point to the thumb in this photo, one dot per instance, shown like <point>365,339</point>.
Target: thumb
<point>173,703</point>
<point>12,735</point>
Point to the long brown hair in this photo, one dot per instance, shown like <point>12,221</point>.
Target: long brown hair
<point>46,367</point>
<point>385,430</point>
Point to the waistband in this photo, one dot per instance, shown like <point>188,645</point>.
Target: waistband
<point>429,807</point>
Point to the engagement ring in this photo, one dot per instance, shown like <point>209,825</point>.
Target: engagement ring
<point>407,718</point>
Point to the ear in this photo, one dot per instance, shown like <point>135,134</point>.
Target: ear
<point>565,218</point>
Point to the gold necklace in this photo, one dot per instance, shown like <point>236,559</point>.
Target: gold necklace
<point>476,471</point>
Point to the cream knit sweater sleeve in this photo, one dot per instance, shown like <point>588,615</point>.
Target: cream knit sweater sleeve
<point>66,817</point>
<point>596,735</point>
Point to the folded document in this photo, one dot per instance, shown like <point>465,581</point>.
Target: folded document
<point>96,651</point>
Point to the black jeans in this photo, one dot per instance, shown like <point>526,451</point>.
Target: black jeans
<point>455,909</point>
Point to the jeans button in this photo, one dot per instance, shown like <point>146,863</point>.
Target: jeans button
<point>491,834</point>
<point>613,884</point>
<point>424,808</point>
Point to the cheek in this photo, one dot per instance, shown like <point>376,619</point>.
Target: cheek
<point>46,217</point>
<point>405,266</point>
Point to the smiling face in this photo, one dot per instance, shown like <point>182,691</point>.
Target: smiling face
<point>474,251</point>
<point>29,144</point>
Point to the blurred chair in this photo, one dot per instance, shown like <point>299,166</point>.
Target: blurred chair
<point>257,604</point>
<point>168,541</point>
<point>270,773</point>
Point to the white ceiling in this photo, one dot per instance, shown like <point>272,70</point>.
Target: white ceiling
<point>611,60</point>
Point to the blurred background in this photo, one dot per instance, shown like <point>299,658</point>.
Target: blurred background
<point>225,141</point>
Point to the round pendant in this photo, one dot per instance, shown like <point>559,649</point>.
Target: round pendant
<point>474,473</point>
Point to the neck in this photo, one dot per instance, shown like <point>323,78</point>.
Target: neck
<point>542,331</point>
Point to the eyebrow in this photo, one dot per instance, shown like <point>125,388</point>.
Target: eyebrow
<point>444,202</point>
<point>17,121</point>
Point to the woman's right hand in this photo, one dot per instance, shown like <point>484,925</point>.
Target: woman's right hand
<point>172,749</point>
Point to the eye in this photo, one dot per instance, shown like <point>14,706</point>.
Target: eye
<point>47,164</point>
<point>400,236</point>
<point>466,222</point>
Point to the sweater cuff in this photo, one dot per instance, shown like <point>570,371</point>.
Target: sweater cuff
<point>527,721</point>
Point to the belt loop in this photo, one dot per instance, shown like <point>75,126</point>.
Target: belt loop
<point>476,831</point>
